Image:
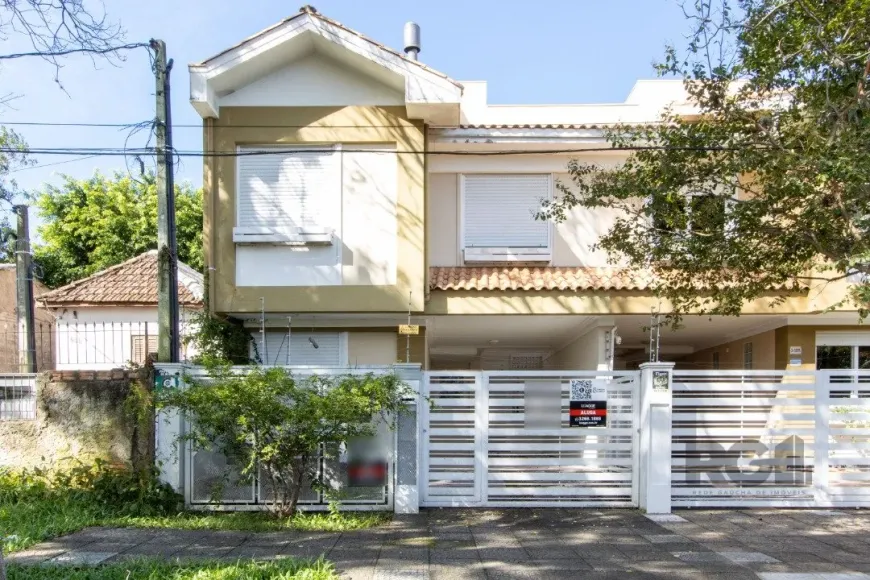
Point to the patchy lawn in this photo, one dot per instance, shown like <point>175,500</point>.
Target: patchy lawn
<point>258,521</point>
<point>38,505</point>
<point>25,523</point>
<point>285,569</point>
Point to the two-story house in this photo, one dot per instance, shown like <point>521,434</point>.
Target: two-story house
<point>349,186</point>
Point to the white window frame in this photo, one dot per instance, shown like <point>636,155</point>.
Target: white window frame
<point>844,338</point>
<point>510,254</point>
<point>730,201</point>
<point>852,339</point>
<point>304,236</point>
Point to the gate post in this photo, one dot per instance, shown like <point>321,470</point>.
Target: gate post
<point>654,459</point>
<point>406,493</point>
<point>168,427</point>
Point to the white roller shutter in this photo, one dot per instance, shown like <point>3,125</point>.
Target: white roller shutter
<point>499,211</point>
<point>285,191</point>
<point>302,352</point>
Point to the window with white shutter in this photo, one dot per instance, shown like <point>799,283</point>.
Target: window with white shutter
<point>142,347</point>
<point>321,349</point>
<point>498,216</point>
<point>287,196</point>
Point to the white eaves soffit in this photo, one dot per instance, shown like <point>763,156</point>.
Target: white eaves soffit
<point>428,95</point>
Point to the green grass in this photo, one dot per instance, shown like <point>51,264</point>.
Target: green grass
<point>38,505</point>
<point>30,521</point>
<point>257,521</point>
<point>287,569</point>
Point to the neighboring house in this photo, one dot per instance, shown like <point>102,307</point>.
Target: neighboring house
<point>348,188</point>
<point>44,325</point>
<point>109,319</point>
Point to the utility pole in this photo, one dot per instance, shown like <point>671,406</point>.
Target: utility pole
<point>24,294</point>
<point>168,343</point>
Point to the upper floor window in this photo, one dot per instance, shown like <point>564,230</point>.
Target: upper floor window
<point>498,217</point>
<point>287,196</point>
<point>703,214</point>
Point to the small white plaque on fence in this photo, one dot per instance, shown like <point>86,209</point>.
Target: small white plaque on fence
<point>795,350</point>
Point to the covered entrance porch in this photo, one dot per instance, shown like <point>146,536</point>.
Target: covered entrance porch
<point>622,342</point>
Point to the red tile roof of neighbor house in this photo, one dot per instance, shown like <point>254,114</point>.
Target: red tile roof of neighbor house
<point>543,278</point>
<point>130,283</point>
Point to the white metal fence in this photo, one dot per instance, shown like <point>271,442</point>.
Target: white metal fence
<point>771,438</point>
<point>213,482</point>
<point>17,397</point>
<point>502,438</point>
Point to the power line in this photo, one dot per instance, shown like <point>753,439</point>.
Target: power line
<point>187,125</point>
<point>117,151</point>
<point>41,165</point>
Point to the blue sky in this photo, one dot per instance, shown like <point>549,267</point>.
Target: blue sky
<point>549,51</point>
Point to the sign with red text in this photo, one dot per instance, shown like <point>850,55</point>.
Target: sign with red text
<point>588,403</point>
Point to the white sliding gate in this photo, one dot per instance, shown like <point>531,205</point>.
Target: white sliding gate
<point>771,438</point>
<point>502,439</point>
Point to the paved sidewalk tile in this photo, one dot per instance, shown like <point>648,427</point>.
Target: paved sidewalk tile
<point>540,544</point>
<point>747,557</point>
<point>81,558</point>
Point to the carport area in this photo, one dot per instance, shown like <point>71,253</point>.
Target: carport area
<point>622,342</point>
<point>579,342</point>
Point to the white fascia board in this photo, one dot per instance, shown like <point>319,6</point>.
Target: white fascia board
<point>202,96</point>
<point>422,86</point>
<point>519,135</point>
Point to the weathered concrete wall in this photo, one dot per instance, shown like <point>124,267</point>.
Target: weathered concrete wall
<point>81,416</point>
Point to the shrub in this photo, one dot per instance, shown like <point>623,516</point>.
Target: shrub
<point>128,492</point>
<point>266,420</point>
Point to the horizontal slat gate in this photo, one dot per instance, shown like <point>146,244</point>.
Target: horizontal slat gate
<point>771,439</point>
<point>481,447</point>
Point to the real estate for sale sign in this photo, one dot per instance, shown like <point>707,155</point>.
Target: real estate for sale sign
<point>588,403</point>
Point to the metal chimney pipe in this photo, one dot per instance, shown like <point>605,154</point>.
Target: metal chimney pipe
<point>412,40</point>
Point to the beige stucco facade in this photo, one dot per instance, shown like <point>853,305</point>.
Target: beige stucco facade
<point>389,126</point>
<point>309,82</point>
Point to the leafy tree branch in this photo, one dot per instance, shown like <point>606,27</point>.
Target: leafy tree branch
<point>764,186</point>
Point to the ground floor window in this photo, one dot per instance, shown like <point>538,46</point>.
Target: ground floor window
<point>843,357</point>
<point>847,358</point>
<point>747,355</point>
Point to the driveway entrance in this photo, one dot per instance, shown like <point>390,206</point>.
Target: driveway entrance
<point>516,439</point>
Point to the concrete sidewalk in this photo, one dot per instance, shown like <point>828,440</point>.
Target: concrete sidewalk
<point>513,544</point>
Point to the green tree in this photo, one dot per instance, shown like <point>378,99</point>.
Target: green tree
<point>91,224</point>
<point>266,421</point>
<point>783,120</point>
<point>13,156</point>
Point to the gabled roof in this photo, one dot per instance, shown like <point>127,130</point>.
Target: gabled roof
<point>260,53</point>
<point>312,11</point>
<point>130,283</point>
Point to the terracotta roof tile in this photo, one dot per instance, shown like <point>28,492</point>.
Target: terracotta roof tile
<point>133,282</point>
<point>544,278</point>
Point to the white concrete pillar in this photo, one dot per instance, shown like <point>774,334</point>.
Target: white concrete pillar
<point>654,459</point>
<point>406,495</point>
<point>169,425</point>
